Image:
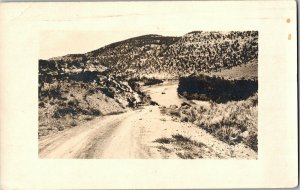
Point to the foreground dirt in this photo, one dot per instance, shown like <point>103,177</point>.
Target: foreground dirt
<point>144,133</point>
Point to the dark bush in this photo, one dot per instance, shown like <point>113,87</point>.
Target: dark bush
<point>174,112</point>
<point>153,103</point>
<point>107,92</point>
<point>180,138</point>
<point>252,141</point>
<point>217,89</point>
<point>61,112</point>
<point>73,102</point>
<point>131,102</point>
<point>52,93</point>
<point>87,76</point>
<point>95,112</point>
<point>134,85</point>
<point>41,104</point>
<point>164,140</point>
<point>151,81</point>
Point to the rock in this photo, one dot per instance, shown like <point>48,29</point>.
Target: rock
<point>186,105</point>
<point>154,103</point>
<point>245,134</point>
<point>184,119</point>
<point>173,107</point>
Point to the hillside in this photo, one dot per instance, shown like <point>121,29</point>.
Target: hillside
<point>169,56</point>
<point>246,71</point>
<point>212,51</point>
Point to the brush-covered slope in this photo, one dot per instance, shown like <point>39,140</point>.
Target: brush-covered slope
<point>211,51</point>
<point>169,56</point>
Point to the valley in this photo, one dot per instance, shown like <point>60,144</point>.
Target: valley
<point>153,96</point>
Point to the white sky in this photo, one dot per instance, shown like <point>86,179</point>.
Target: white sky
<point>59,43</point>
<point>71,32</point>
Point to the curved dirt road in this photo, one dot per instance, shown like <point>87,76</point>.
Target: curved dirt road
<point>86,141</point>
<point>144,133</point>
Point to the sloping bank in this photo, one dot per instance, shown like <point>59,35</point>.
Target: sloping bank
<point>226,109</point>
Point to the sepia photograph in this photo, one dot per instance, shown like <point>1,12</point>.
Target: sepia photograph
<point>193,96</point>
<point>149,95</point>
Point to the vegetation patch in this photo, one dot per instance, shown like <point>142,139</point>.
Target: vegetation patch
<point>233,122</point>
<point>183,147</point>
<point>204,87</point>
<point>151,81</point>
<point>164,140</point>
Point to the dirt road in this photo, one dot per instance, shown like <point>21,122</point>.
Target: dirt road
<point>144,133</point>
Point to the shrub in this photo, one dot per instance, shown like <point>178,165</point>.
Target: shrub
<point>230,135</point>
<point>180,138</point>
<point>73,102</point>
<point>184,118</point>
<point>204,87</point>
<point>73,123</point>
<point>52,93</point>
<point>107,92</point>
<point>184,155</point>
<point>41,104</point>
<point>184,147</point>
<point>95,112</point>
<point>152,81</point>
<point>251,140</point>
<point>86,76</point>
<point>153,103</point>
<point>163,110</point>
<point>164,140</point>
<point>61,112</point>
<point>174,112</point>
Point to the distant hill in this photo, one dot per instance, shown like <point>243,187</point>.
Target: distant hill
<point>167,56</point>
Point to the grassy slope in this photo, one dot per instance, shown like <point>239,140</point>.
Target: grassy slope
<point>247,71</point>
<point>233,122</point>
<point>74,105</point>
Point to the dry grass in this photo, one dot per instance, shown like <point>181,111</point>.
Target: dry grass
<point>183,147</point>
<point>233,122</point>
<point>164,140</point>
<point>71,106</point>
<point>245,71</point>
